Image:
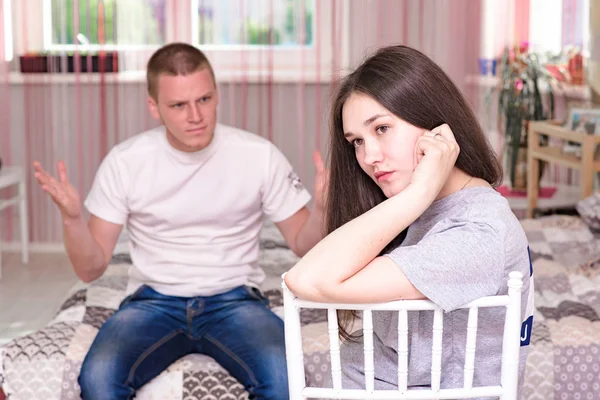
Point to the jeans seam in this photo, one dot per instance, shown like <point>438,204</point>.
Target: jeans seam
<point>148,352</point>
<point>190,314</point>
<point>234,357</point>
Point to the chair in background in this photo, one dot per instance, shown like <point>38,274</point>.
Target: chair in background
<point>15,176</point>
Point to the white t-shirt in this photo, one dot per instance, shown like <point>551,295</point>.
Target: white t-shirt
<point>194,218</point>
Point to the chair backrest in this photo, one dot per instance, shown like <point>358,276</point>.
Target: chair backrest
<point>507,390</point>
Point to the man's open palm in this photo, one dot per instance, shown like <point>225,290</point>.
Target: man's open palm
<point>61,191</point>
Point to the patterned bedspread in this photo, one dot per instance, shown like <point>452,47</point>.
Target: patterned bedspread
<point>564,356</point>
<point>563,363</point>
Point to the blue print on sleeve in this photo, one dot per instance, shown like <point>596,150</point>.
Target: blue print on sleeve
<point>526,331</point>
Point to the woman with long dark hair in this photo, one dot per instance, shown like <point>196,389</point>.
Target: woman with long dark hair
<point>413,214</point>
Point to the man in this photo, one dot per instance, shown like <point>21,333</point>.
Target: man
<point>192,193</point>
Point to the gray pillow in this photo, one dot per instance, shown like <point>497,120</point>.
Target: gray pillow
<point>589,210</point>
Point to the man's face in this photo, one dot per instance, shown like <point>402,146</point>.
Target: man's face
<point>187,106</point>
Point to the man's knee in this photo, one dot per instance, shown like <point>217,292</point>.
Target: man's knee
<point>274,390</point>
<point>272,375</point>
<point>92,378</point>
<point>101,378</point>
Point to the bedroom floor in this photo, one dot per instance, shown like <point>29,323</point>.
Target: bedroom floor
<point>30,294</point>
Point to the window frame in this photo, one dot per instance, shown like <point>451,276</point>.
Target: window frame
<point>52,47</point>
<point>36,15</point>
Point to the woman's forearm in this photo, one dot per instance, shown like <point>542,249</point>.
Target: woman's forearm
<point>351,247</point>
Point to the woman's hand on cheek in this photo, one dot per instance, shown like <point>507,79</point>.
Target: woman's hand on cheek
<point>435,154</point>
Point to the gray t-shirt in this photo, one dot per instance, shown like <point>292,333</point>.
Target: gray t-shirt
<point>463,247</point>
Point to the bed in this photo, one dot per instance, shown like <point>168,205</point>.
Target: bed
<point>563,363</point>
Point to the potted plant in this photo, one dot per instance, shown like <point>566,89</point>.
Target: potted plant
<point>521,100</point>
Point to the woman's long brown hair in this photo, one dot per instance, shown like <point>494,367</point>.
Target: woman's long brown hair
<point>411,86</point>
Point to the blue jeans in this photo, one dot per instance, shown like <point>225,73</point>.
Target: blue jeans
<point>150,331</point>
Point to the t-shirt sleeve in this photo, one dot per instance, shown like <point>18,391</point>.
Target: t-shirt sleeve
<point>283,193</point>
<point>455,263</point>
<point>107,198</point>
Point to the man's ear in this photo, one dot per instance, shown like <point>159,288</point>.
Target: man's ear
<point>153,108</point>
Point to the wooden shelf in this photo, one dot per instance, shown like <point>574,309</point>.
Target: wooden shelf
<point>587,165</point>
<point>558,131</point>
<point>556,155</point>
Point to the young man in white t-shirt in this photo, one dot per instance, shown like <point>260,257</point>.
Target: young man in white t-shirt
<point>192,194</point>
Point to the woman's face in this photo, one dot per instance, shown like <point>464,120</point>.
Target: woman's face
<point>384,144</point>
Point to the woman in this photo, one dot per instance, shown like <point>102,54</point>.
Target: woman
<point>413,214</point>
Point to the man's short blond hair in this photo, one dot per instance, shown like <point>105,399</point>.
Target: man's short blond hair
<point>174,59</point>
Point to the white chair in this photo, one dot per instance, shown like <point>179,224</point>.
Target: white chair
<point>15,176</point>
<point>510,348</point>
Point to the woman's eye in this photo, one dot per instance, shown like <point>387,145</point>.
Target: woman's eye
<point>382,129</point>
<point>357,142</point>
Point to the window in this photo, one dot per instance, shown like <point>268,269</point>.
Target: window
<point>253,22</point>
<point>278,39</point>
<point>282,40</point>
<point>547,26</point>
<point>106,24</point>
<point>555,24</point>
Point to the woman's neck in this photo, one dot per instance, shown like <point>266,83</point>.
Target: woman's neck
<point>459,180</point>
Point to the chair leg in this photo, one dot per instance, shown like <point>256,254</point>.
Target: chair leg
<point>24,223</point>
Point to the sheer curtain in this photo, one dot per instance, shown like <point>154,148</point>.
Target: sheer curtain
<point>276,69</point>
<point>544,27</point>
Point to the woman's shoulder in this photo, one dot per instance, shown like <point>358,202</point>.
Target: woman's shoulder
<point>480,205</point>
<point>475,202</point>
<point>486,205</point>
<point>487,202</point>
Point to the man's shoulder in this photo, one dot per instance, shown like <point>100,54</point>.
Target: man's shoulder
<point>141,145</point>
<point>240,137</point>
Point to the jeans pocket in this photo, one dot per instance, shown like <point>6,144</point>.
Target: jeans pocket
<point>256,294</point>
<point>132,296</point>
